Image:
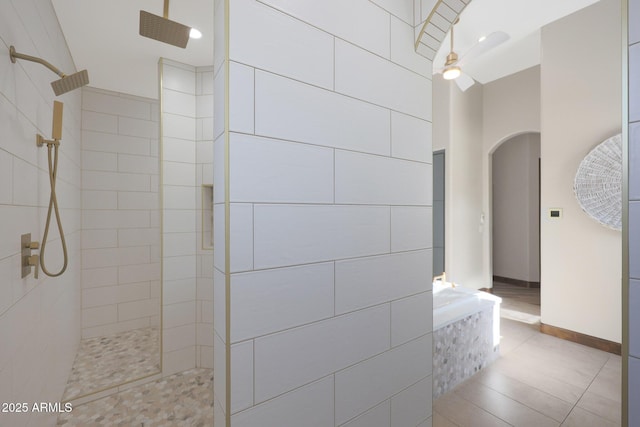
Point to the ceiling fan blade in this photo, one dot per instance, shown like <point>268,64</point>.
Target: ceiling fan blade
<point>464,82</point>
<point>491,41</point>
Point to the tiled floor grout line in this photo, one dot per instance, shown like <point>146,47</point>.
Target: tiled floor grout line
<point>575,405</point>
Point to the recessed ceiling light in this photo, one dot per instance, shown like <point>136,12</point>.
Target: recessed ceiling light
<point>481,39</point>
<point>195,34</point>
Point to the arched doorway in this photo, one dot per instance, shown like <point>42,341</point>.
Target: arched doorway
<point>515,213</point>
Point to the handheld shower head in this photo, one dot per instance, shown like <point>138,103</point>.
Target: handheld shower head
<point>65,84</point>
<point>163,29</point>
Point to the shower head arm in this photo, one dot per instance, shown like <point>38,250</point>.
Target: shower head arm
<point>13,54</point>
<point>165,11</point>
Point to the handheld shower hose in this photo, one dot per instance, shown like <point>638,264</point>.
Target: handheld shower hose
<point>65,84</point>
<point>52,157</point>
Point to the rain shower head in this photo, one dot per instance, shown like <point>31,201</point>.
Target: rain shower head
<point>163,29</point>
<point>70,82</point>
<point>65,84</point>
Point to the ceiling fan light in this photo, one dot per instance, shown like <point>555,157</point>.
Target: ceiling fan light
<point>452,72</point>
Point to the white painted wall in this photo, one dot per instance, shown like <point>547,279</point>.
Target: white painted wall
<point>39,319</point>
<point>581,106</point>
<point>121,213</point>
<point>511,106</point>
<point>330,217</point>
<point>515,208</point>
<point>463,189</point>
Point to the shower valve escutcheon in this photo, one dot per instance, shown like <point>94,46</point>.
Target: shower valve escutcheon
<point>29,260</point>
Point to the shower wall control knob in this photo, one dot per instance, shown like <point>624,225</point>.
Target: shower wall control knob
<point>29,260</point>
<point>34,261</point>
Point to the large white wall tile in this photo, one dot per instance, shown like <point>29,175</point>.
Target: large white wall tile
<point>178,77</point>
<point>375,380</point>
<point>409,93</point>
<point>280,171</point>
<point>241,376</point>
<point>634,17</point>
<point>410,138</point>
<point>219,103</point>
<point>108,143</point>
<point>295,111</point>
<point>115,104</point>
<point>241,237</point>
<point>137,127</point>
<point>179,290</point>
<point>267,301</point>
<point>178,150</point>
<point>403,9</point>
<point>402,47</point>
<point>99,122</point>
<point>177,338</point>
<point>179,173</point>
<point>6,175</point>
<point>180,103</point>
<point>286,46</point>
<point>411,228</point>
<point>369,179</point>
<point>297,234</point>
<point>179,267</point>
<point>138,164</point>
<point>374,280</point>
<point>179,314</point>
<point>411,318</point>
<point>99,161</point>
<point>337,17</point>
<point>179,221</point>
<point>182,127</point>
<point>219,302</point>
<point>380,416</point>
<point>241,95</point>
<point>634,84</point>
<point>178,197</point>
<point>311,406</point>
<point>99,199</point>
<point>412,406</point>
<point>293,358</point>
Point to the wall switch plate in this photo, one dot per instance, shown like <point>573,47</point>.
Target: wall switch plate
<point>555,213</point>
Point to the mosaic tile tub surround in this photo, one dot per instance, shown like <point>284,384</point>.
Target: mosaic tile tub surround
<point>465,337</point>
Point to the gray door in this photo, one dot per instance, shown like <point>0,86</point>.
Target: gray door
<point>438,212</point>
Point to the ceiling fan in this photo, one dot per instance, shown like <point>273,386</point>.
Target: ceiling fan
<point>452,69</point>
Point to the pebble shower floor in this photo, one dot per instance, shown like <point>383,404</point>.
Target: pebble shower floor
<point>184,399</point>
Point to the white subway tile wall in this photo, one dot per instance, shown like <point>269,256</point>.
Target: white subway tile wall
<point>37,317</point>
<point>187,265</point>
<point>118,199</point>
<point>330,195</point>
<point>204,252</point>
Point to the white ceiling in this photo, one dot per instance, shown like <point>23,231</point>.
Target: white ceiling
<point>520,19</point>
<point>103,38</point>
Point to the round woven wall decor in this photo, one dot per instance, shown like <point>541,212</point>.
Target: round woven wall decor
<point>598,183</point>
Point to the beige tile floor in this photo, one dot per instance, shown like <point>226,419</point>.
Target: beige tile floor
<point>538,381</point>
